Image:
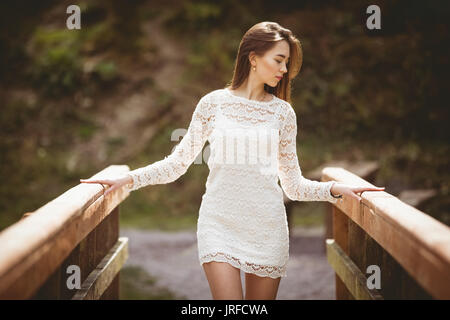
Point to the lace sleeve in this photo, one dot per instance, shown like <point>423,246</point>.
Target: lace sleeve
<point>293,183</point>
<point>176,164</point>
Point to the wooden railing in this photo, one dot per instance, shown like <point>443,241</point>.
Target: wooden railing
<point>410,249</point>
<point>365,169</point>
<point>40,254</point>
<point>67,249</point>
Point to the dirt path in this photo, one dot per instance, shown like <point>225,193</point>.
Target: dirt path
<point>172,258</point>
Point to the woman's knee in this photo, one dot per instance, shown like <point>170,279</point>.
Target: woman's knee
<point>261,288</point>
<point>224,280</point>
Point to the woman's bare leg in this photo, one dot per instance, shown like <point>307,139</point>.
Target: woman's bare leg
<point>260,288</point>
<point>224,280</point>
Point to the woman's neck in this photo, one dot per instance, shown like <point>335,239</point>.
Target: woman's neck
<point>247,92</point>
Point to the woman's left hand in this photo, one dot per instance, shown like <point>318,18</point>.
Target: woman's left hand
<point>352,191</point>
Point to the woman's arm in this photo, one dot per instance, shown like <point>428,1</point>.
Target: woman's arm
<point>293,183</point>
<point>176,164</point>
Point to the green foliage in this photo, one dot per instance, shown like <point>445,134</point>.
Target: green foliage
<point>106,71</point>
<point>194,16</point>
<point>15,114</point>
<point>86,131</point>
<point>56,65</point>
<point>97,38</point>
<point>113,143</point>
<point>57,60</point>
<point>215,51</point>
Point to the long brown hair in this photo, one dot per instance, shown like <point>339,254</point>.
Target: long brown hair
<point>260,38</point>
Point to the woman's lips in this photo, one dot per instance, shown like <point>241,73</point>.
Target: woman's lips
<point>279,78</point>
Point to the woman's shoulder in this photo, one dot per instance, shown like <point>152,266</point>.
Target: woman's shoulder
<point>221,95</point>
<point>214,94</point>
<point>210,98</point>
<point>286,107</point>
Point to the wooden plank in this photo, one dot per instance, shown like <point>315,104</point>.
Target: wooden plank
<point>87,254</point>
<point>357,245</point>
<point>52,232</point>
<point>98,281</point>
<point>417,241</point>
<point>349,273</point>
<point>364,169</point>
<point>107,235</point>
<point>328,222</point>
<point>84,256</point>
<point>395,282</point>
<point>424,264</point>
<point>411,290</point>
<point>340,233</point>
<point>51,288</point>
<point>113,291</point>
<point>390,270</point>
<point>72,260</point>
<point>109,230</point>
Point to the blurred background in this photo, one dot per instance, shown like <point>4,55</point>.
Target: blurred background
<point>73,102</point>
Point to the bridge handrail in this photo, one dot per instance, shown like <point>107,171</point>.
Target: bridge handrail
<point>417,241</point>
<point>34,248</point>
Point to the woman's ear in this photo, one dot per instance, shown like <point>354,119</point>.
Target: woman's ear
<point>252,58</point>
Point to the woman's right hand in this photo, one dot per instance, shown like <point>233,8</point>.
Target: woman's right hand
<point>112,183</point>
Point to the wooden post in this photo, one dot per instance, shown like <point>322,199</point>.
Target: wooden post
<point>51,288</point>
<point>79,228</point>
<point>72,259</point>
<point>87,255</point>
<point>390,271</point>
<point>349,273</point>
<point>357,245</point>
<point>328,222</point>
<point>103,281</point>
<point>409,247</point>
<point>107,236</point>
<point>112,293</point>
<point>340,234</point>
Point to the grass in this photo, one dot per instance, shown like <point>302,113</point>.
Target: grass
<point>137,284</point>
<point>309,214</point>
<point>144,211</point>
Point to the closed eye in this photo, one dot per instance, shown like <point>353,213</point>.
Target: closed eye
<point>281,61</point>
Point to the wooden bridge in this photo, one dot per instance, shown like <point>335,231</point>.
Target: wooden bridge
<point>379,238</point>
<point>410,249</point>
<point>79,230</point>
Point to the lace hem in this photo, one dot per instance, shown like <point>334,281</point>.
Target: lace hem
<point>260,270</point>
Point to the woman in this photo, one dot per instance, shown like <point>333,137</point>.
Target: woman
<point>242,221</point>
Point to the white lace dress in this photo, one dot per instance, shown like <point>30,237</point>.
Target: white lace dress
<point>242,217</point>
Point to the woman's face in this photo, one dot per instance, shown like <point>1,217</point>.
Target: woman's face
<point>273,65</point>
